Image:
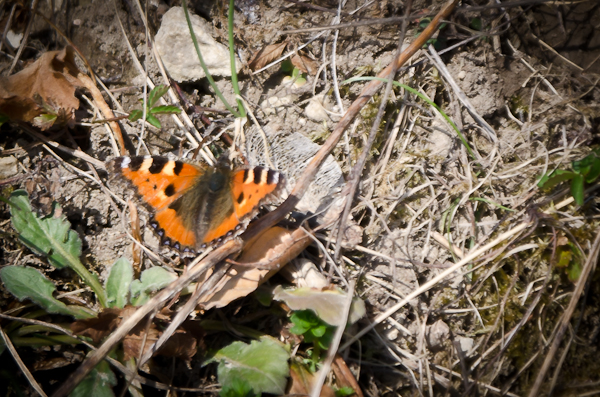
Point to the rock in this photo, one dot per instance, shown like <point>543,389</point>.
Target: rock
<point>8,167</point>
<point>315,110</point>
<point>176,48</point>
<point>465,345</point>
<point>290,152</point>
<point>436,334</point>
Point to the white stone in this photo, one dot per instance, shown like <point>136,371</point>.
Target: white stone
<point>8,167</point>
<point>177,51</point>
<point>14,39</point>
<point>315,110</point>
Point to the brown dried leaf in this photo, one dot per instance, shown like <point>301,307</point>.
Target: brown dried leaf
<point>99,327</point>
<point>305,64</point>
<point>344,377</point>
<point>266,55</point>
<point>301,382</point>
<point>53,78</point>
<point>267,253</point>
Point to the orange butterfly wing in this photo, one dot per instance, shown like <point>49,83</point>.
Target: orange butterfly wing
<point>160,182</point>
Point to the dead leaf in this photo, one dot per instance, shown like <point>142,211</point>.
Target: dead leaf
<point>266,55</point>
<point>301,382</point>
<point>305,64</point>
<point>344,377</point>
<point>267,253</point>
<point>99,327</point>
<point>52,78</point>
<point>327,303</point>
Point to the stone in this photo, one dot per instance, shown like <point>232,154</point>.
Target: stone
<point>177,51</point>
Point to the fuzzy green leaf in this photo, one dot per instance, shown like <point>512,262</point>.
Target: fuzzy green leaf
<point>29,283</point>
<point>156,93</point>
<point>153,120</point>
<point>262,364</point>
<point>51,235</point>
<point>151,280</point>
<point>118,282</point>
<point>167,109</point>
<point>98,383</point>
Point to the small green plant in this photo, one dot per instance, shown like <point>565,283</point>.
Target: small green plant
<point>293,73</point>
<point>584,171</point>
<point>51,237</point>
<point>250,370</point>
<point>315,331</point>
<point>569,261</point>
<point>438,43</point>
<point>151,110</point>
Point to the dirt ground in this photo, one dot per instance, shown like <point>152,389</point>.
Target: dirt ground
<point>520,85</point>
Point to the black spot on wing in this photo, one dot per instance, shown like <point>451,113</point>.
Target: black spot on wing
<point>135,163</point>
<point>258,172</point>
<point>178,167</point>
<point>240,198</point>
<point>158,163</point>
<point>170,190</point>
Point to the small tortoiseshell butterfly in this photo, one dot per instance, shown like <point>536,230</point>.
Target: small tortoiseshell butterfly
<point>194,205</point>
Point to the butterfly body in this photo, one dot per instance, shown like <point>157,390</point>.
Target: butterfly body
<point>195,205</point>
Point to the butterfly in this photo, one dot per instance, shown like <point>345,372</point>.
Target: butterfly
<point>194,205</point>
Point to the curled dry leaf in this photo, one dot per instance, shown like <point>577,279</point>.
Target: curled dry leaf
<point>302,380</point>
<point>344,377</point>
<point>327,303</point>
<point>51,80</point>
<point>304,64</point>
<point>266,55</point>
<point>260,260</point>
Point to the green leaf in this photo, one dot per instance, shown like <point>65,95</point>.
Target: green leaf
<point>549,180</point>
<point>577,189</point>
<point>29,283</point>
<point>262,364</point>
<point>574,271</point>
<point>98,383</point>
<point>152,280</point>
<point>594,172</point>
<point>476,24</point>
<point>3,119</point>
<point>135,115</point>
<point>51,235</point>
<point>118,282</point>
<point>156,93</point>
<point>44,121</point>
<point>153,120</point>
<point>165,110</point>
<point>238,388</point>
<point>344,392</point>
